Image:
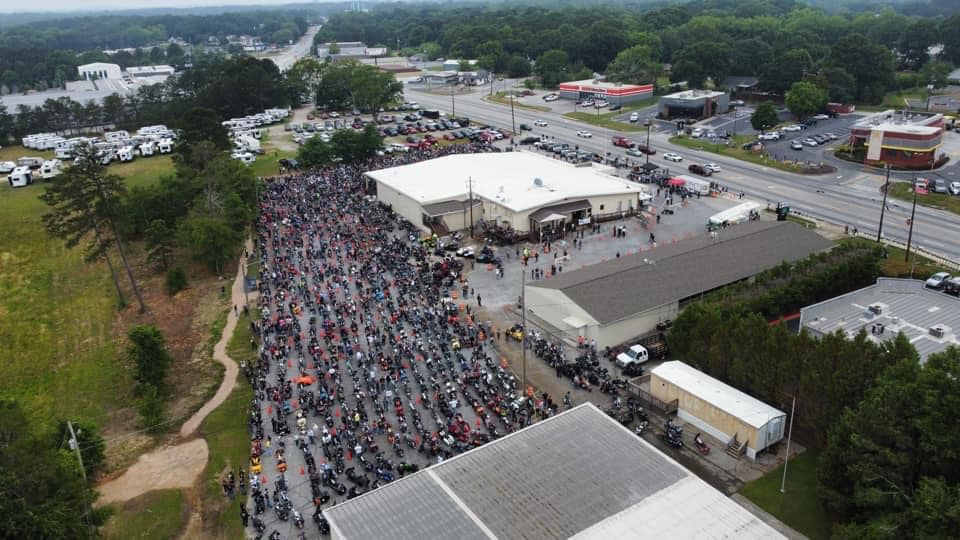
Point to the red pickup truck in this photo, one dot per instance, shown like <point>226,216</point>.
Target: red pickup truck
<point>623,142</point>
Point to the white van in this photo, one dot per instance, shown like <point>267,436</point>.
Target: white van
<point>637,354</point>
<point>20,177</point>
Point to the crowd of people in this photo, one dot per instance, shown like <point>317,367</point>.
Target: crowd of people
<point>371,362</point>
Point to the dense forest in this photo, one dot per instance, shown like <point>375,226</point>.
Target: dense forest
<point>855,56</point>
<point>46,54</point>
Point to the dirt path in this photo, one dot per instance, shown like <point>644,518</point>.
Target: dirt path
<point>167,468</point>
<point>178,466</point>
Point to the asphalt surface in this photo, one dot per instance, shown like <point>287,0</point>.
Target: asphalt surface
<point>301,47</point>
<point>851,197</point>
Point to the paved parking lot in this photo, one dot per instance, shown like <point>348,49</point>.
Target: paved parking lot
<point>838,126</point>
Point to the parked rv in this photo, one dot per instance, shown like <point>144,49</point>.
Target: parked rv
<point>50,169</point>
<point>20,177</point>
<point>125,154</point>
<point>31,162</point>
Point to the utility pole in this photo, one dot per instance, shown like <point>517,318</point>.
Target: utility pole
<point>886,189</point>
<point>513,118</point>
<point>913,213</point>
<point>470,202</point>
<point>786,457</point>
<point>648,122</point>
<point>453,103</point>
<point>75,446</point>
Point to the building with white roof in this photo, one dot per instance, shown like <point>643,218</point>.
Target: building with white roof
<point>527,191</point>
<point>906,139</point>
<point>695,104</point>
<point>577,475</point>
<point>930,319</point>
<point>99,71</point>
<point>718,408</point>
<point>161,70</point>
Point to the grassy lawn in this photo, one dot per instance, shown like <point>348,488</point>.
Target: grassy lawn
<point>944,201</point>
<point>501,98</point>
<point>799,507</point>
<point>606,119</point>
<point>143,171</point>
<point>158,515</point>
<point>229,442</point>
<point>268,164</point>
<point>735,150</point>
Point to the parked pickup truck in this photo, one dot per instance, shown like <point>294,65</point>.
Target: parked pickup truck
<point>653,346</point>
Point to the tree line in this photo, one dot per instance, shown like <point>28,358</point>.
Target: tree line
<point>851,56</point>
<point>45,54</point>
<point>888,463</point>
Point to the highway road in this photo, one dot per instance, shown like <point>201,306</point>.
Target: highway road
<point>290,55</point>
<point>850,197</point>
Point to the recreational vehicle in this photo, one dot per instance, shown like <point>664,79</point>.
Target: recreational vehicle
<point>31,162</point>
<point>245,157</point>
<point>20,177</point>
<point>50,169</point>
<point>125,154</point>
<point>147,148</point>
<point>7,166</point>
<point>165,146</point>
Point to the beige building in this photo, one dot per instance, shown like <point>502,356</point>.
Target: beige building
<point>718,408</point>
<point>621,299</point>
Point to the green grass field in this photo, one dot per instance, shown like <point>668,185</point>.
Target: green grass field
<point>56,310</point>
<point>944,201</point>
<point>500,97</point>
<point>799,507</point>
<point>157,515</point>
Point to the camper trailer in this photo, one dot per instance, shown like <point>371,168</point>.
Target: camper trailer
<point>20,177</point>
<point>245,157</point>
<point>165,146</point>
<point>7,166</point>
<point>50,169</point>
<point>147,148</point>
<point>105,156</point>
<point>246,143</point>
<point>31,162</point>
<point>125,154</point>
<point>116,136</point>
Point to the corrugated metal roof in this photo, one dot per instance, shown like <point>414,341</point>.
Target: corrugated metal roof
<point>719,394</point>
<point>906,306</point>
<point>556,479</point>
<point>629,285</point>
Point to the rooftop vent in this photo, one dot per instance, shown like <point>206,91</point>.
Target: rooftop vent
<point>875,309</point>
<point>877,329</point>
<point>538,182</point>
<point>936,332</point>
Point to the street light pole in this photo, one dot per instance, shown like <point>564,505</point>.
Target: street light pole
<point>513,118</point>
<point>453,102</point>
<point>526,331</point>
<point>886,189</point>
<point>648,122</point>
<point>913,214</point>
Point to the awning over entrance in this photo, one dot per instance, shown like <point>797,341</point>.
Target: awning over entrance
<point>574,322</point>
<point>446,207</point>
<point>552,217</point>
<point>544,214</point>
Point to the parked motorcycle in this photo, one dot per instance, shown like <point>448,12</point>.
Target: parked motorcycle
<point>702,446</point>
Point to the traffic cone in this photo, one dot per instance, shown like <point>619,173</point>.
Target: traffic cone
<point>302,471</point>
<point>269,409</point>
<point>336,412</point>
<point>349,454</point>
<point>289,364</point>
<point>263,479</point>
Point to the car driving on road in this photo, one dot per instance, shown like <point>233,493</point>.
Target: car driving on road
<point>670,156</point>
<point>712,167</point>
<point>634,116</point>
<point>540,123</point>
<point>584,134</point>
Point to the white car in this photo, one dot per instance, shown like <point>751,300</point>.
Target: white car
<point>937,280</point>
<point>584,134</point>
<point>587,103</point>
<point>770,136</point>
<point>466,252</point>
<point>334,114</point>
<point>820,116</point>
<point>954,188</point>
<point>697,133</point>
<point>809,142</point>
<point>795,127</point>
<point>551,97</point>
<point>540,123</point>
<point>670,156</point>
<point>634,152</point>
<point>712,167</point>
<point>634,117</point>
<point>601,104</point>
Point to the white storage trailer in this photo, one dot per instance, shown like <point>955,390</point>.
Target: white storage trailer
<point>738,214</point>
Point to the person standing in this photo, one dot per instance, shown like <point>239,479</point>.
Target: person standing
<point>479,301</point>
<point>244,516</point>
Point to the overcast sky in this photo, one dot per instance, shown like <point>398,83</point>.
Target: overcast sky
<point>19,6</point>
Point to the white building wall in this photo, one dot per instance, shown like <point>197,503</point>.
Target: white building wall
<point>402,204</point>
<point>553,307</point>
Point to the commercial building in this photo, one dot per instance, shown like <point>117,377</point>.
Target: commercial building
<point>900,139</point>
<point>161,70</point>
<point>615,93</point>
<point>696,104</point>
<point>99,71</point>
<point>454,64</point>
<point>348,50</point>
<point>719,409</point>
<point>736,84</point>
<point>522,190</point>
<point>577,475</point>
<point>617,300</point>
<point>930,319</point>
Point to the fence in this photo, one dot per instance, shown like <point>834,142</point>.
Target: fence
<point>634,386</point>
<point>920,250</point>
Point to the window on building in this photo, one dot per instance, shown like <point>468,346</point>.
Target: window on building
<point>601,207</point>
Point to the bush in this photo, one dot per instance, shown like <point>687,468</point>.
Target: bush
<point>152,409</point>
<point>176,280</point>
<point>148,352</point>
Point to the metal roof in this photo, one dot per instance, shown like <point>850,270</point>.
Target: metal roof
<point>617,289</point>
<point>562,208</point>
<point>578,474</point>
<point>905,306</point>
<point>717,393</point>
<point>447,207</point>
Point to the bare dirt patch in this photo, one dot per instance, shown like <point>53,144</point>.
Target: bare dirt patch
<point>173,467</point>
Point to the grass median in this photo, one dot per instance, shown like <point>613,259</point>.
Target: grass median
<point>799,507</point>
<point>735,150</point>
<point>159,515</point>
<point>943,201</point>
<point>502,99</point>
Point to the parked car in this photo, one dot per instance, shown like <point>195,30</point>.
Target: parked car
<point>795,127</point>
<point>540,123</point>
<point>954,188</point>
<point>939,186</point>
<point>585,134</point>
<point>699,169</point>
<point>527,140</point>
<point>820,116</point>
<point>937,281</point>
<point>670,156</point>
<point>809,142</point>
<point>796,145</point>
<point>634,116</point>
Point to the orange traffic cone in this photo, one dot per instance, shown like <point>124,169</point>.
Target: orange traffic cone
<point>302,471</point>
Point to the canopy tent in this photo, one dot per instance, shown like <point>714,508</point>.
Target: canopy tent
<point>647,167</point>
<point>676,182</point>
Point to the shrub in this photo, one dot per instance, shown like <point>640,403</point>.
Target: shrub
<point>176,280</point>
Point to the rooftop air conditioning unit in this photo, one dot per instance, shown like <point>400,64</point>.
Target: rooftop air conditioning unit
<point>877,329</point>
<point>875,309</point>
<point>936,332</point>
<point>538,182</point>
